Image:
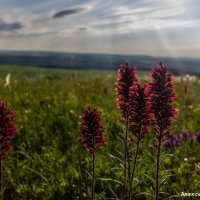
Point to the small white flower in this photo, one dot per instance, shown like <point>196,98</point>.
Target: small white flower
<point>7,80</point>
<point>187,76</point>
<point>185,159</point>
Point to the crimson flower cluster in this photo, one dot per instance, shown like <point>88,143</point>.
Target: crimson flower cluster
<point>126,78</point>
<point>161,99</point>
<point>139,110</point>
<point>8,129</point>
<point>92,130</point>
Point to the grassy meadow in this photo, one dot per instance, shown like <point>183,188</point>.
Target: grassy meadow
<point>48,160</point>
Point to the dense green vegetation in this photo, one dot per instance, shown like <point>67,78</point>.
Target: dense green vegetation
<point>48,160</point>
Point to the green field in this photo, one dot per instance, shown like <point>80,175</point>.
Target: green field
<point>48,160</point>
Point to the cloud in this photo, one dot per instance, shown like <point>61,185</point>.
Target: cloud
<point>169,12</point>
<point>10,26</point>
<point>25,36</point>
<point>67,12</point>
<point>37,35</point>
<point>82,29</point>
<point>128,11</point>
<point>138,26</point>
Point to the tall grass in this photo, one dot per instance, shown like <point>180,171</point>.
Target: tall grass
<point>44,164</point>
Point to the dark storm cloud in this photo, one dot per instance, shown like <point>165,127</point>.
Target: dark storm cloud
<point>10,26</point>
<point>67,12</point>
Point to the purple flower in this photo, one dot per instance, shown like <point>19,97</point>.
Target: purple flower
<point>197,134</point>
<point>171,141</point>
<point>8,129</point>
<point>185,135</point>
<point>92,130</point>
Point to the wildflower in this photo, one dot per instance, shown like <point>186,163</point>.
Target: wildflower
<point>8,129</point>
<point>171,141</point>
<point>126,78</point>
<point>161,99</point>
<point>139,110</point>
<point>197,134</point>
<point>185,135</point>
<point>93,134</point>
<point>92,130</point>
<point>188,77</point>
<point>138,120</point>
<point>7,80</point>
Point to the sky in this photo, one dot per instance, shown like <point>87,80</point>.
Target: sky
<point>147,27</point>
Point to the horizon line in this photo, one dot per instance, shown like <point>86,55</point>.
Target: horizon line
<point>98,53</point>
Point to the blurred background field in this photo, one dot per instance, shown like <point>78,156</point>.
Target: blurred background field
<point>47,160</point>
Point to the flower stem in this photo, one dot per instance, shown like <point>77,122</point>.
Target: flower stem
<point>126,157</point>
<point>93,176</point>
<point>1,180</point>
<point>158,166</point>
<point>80,168</point>
<point>134,166</point>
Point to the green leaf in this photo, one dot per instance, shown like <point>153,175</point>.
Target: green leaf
<point>36,172</point>
<point>110,179</point>
<point>116,158</point>
<point>117,198</point>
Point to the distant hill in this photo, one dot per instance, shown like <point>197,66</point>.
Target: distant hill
<point>96,61</point>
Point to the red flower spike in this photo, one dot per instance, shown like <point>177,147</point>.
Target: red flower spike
<point>161,98</point>
<point>139,110</point>
<point>92,130</point>
<point>8,129</point>
<point>126,78</point>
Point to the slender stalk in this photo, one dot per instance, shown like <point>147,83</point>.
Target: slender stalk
<point>80,175</point>
<point>127,153</point>
<point>93,176</point>
<point>158,166</point>
<point>172,159</point>
<point>126,157</point>
<point>1,180</point>
<point>134,166</point>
